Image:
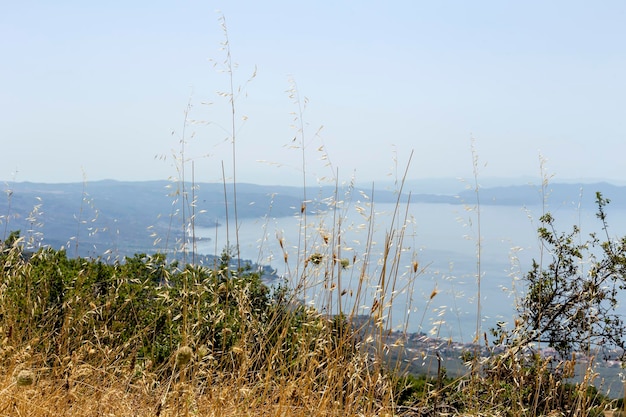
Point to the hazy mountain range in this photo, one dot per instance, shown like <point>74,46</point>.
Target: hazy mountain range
<point>130,217</point>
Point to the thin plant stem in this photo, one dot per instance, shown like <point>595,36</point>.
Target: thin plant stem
<point>193,214</point>
<point>8,215</point>
<point>80,214</point>
<point>226,211</point>
<point>182,183</point>
<point>302,237</point>
<point>478,244</point>
<point>233,132</point>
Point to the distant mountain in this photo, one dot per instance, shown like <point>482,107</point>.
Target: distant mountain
<point>132,217</point>
<point>583,195</point>
<point>451,186</point>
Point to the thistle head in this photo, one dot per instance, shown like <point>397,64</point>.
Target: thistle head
<point>25,378</point>
<point>183,355</point>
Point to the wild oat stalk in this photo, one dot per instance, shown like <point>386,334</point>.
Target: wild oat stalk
<point>478,243</point>
<point>7,217</point>
<point>298,120</point>
<point>233,94</point>
<point>474,371</point>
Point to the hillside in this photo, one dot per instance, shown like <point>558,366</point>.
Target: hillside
<point>129,217</point>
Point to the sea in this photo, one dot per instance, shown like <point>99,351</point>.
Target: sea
<point>452,271</point>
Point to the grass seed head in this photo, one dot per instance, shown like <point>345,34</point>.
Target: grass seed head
<point>434,293</point>
<point>183,355</point>
<point>316,258</point>
<point>25,378</point>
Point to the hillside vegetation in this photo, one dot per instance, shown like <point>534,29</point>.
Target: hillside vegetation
<point>147,337</point>
<point>143,337</point>
<point>125,218</point>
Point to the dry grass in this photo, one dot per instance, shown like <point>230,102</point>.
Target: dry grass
<point>143,337</point>
<point>75,346</point>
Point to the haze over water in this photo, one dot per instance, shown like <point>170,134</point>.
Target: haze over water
<point>443,239</point>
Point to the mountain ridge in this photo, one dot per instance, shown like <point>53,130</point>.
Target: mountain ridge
<point>143,216</point>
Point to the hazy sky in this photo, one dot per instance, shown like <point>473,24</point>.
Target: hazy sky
<point>101,88</point>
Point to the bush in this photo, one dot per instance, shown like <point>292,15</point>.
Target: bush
<point>571,304</point>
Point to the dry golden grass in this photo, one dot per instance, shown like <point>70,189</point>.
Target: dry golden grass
<point>81,389</point>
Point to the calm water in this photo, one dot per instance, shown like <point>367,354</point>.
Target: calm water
<point>442,238</point>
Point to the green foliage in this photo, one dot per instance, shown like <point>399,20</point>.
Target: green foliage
<point>570,304</point>
<point>143,309</point>
<point>12,239</point>
<point>420,389</point>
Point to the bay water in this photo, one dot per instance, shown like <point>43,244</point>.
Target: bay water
<point>452,246</point>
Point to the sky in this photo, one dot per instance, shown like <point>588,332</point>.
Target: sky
<point>323,91</point>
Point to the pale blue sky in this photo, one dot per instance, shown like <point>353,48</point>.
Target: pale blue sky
<point>101,86</point>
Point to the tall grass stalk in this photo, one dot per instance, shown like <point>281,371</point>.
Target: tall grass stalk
<point>183,184</point>
<point>476,190</point>
<point>229,70</point>
<point>79,219</point>
<point>233,94</point>
<point>475,363</point>
<point>7,216</point>
<point>298,120</point>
